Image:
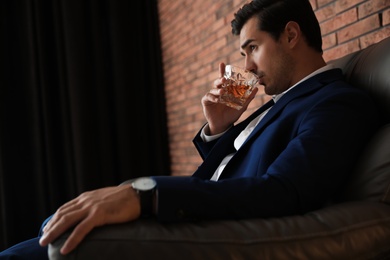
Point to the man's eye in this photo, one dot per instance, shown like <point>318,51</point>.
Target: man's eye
<point>252,47</point>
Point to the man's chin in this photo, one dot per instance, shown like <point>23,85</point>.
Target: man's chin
<point>268,91</point>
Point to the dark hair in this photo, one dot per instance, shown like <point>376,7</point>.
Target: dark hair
<point>273,15</point>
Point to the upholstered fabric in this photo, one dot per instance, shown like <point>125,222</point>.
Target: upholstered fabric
<point>369,70</point>
<point>356,227</point>
<point>324,234</point>
<point>371,179</point>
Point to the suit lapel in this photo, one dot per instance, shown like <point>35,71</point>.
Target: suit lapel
<point>225,145</point>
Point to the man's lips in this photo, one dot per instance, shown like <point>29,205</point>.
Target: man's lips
<point>260,81</point>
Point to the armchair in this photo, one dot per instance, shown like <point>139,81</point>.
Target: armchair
<point>355,226</point>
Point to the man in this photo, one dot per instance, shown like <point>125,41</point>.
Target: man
<point>288,157</point>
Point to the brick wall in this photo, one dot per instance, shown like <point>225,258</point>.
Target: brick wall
<point>196,36</point>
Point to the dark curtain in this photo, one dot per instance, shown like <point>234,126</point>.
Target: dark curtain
<point>82,104</point>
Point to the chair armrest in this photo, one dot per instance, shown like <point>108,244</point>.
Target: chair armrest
<point>352,230</point>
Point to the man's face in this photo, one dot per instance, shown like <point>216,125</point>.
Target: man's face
<point>268,58</point>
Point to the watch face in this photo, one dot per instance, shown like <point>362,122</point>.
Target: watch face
<point>144,183</point>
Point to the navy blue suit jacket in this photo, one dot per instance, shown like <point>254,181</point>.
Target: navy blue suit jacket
<point>294,160</point>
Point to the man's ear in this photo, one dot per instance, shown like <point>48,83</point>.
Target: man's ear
<point>292,33</point>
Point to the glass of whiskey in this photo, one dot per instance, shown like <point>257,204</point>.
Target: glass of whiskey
<point>238,86</point>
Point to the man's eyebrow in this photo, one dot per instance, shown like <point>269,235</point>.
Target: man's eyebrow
<point>243,46</point>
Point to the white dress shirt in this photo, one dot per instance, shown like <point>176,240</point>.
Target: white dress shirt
<point>240,139</point>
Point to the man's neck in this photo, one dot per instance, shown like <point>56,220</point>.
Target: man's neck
<point>317,71</point>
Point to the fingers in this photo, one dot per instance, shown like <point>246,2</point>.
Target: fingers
<point>78,234</point>
<point>67,216</point>
<point>218,82</point>
<point>63,223</point>
<point>68,207</point>
<point>212,96</point>
<point>59,224</point>
<point>221,69</point>
<point>91,209</point>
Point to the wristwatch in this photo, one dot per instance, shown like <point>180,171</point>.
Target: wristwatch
<point>146,188</point>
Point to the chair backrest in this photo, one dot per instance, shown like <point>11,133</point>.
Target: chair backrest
<point>369,69</point>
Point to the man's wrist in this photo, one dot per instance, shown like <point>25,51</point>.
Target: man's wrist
<point>146,190</point>
<point>205,134</point>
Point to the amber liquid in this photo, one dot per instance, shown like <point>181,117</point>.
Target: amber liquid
<point>237,91</point>
<point>235,94</point>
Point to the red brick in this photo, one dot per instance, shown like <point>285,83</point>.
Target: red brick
<point>329,41</point>
<point>366,25</point>
<point>374,37</point>
<point>325,13</point>
<point>321,3</point>
<point>341,50</point>
<point>372,6</point>
<point>313,4</point>
<point>386,17</point>
<point>339,21</point>
<point>342,5</point>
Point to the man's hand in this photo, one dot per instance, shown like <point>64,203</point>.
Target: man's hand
<point>91,209</point>
<point>219,116</point>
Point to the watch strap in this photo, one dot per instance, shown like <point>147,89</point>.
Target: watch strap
<point>147,202</point>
